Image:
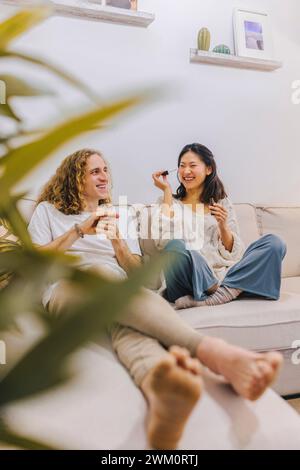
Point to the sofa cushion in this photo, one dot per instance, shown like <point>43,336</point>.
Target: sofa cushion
<point>246,216</point>
<point>253,323</point>
<point>291,284</point>
<point>26,207</point>
<point>285,222</point>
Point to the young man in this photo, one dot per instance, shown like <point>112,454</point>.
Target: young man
<point>68,218</point>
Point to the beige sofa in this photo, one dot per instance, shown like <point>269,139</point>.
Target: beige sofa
<point>91,413</point>
<point>260,325</point>
<point>257,324</point>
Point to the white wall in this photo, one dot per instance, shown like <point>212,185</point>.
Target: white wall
<point>246,117</point>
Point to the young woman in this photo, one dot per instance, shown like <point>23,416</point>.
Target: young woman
<point>220,270</point>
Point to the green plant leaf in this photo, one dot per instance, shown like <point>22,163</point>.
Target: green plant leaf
<point>55,70</point>
<point>78,324</point>
<point>13,439</point>
<point>7,111</point>
<point>21,22</point>
<point>16,86</point>
<point>10,212</point>
<point>20,161</point>
<point>29,272</point>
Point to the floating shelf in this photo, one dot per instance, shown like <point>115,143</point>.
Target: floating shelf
<point>226,60</point>
<point>88,10</point>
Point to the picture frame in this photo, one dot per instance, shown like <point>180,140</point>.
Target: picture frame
<point>253,34</point>
<point>125,4</point>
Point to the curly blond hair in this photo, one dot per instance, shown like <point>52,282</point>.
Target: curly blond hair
<point>65,189</point>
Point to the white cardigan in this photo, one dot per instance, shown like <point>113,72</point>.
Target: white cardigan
<point>211,247</point>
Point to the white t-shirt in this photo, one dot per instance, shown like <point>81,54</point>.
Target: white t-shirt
<point>48,223</point>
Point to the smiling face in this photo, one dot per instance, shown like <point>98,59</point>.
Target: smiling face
<point>192,171</point>
<point>97,179</point>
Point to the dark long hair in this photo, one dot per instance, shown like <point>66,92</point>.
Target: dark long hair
<point>213,186</point>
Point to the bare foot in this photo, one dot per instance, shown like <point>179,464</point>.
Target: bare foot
<point>213,289</point>
<point>186,302</point>
<point>172,389</point>
<point>249,373</point>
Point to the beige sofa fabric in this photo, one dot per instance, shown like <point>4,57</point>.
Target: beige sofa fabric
<point>246,216</point>
<point>285,222</point>
<point>291,284</point>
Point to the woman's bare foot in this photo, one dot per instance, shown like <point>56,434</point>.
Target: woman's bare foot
<point>212,289</point>
<point>172,389</point>
<point>187,301</point>
<point>249,373</point>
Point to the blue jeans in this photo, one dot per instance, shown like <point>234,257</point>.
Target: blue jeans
<point>257,273</point>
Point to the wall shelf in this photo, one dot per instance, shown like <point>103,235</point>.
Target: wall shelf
<point>226,60</point>
<point>88,10</point>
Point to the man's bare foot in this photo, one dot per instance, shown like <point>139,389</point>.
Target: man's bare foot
<point>249,373</point>
<point>172,389</point>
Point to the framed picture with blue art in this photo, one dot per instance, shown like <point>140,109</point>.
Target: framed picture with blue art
<point>252,34</point>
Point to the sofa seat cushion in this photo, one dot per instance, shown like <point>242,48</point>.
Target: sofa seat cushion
<point>90,413</point>
<point>251,322</point>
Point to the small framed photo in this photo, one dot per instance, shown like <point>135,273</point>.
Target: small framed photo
<point>252,34</point>
<point>127,4</point>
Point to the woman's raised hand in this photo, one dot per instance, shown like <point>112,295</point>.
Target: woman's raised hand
<point>220,214</point>
<point>161,181</point>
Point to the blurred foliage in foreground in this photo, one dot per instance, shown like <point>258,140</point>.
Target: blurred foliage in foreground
<point>24,271</point>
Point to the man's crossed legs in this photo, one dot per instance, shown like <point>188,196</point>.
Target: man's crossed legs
<point>163,354</point>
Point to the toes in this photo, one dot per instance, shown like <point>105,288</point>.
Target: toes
<point>265,375</point>
<point>266,371</point>
<point>184,302</point>
<point>256,386</point>
<point>163,367</point>
<point>275,359</point>
<point>194,366</point>
<point>179,352</point>
<point>261,379</point>
<point>185,360</point>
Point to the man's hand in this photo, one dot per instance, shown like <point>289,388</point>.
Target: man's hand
<point>108,226</point>
<point>89,226</point>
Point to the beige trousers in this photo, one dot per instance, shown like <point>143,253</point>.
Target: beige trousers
<point>148,326</point>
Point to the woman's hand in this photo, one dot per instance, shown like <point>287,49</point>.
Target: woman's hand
<point>161,181</point>
<point>220,214</point>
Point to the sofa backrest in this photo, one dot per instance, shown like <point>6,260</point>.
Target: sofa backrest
<point>247,220</point>
<point>26,207</point>
<point>254,221</point>
<point>284,221</point>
